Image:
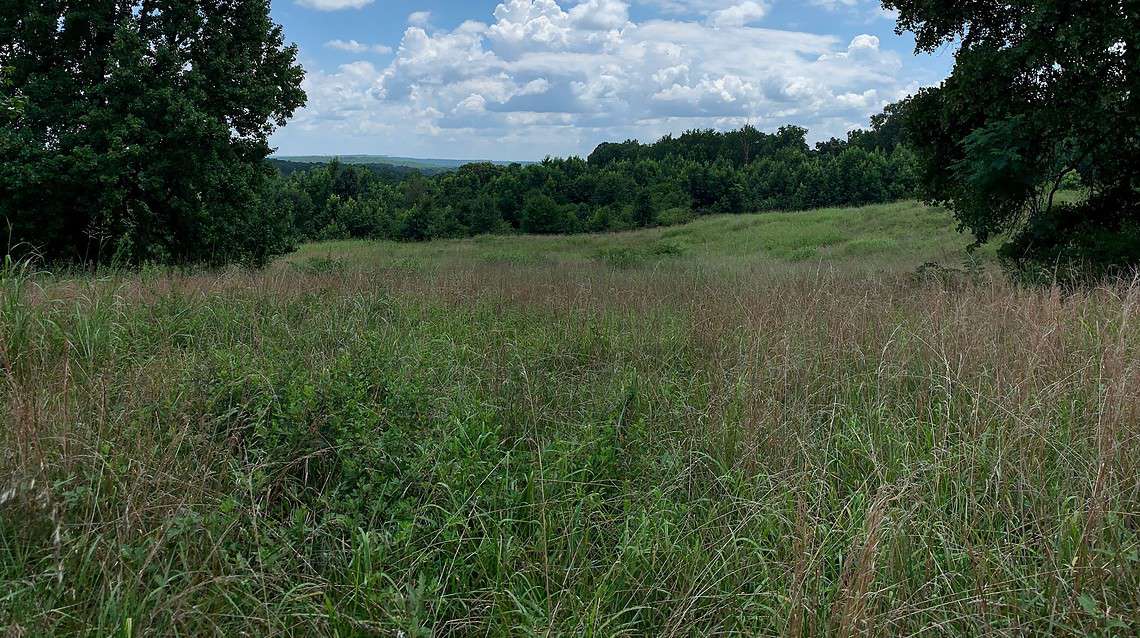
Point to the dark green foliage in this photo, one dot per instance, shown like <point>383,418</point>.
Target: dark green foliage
<point>422,222</point>
<point>136,130</point>
<point>1077,242</point>
<point>337,201</point>
<point>1042,91</point>
<point>621,186</point>
<point>541,215</point>
<point>644,213</point>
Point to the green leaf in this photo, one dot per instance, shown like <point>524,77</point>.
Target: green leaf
<point>1088,604</point>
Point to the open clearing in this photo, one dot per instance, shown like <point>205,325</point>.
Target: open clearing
<point>891,237</point>
<point>747,425</point>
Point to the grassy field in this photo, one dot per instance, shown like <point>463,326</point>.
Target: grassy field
<point>748,425</point>
<point>889,237</point>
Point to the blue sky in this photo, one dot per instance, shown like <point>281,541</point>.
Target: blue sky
<point>522,79</point>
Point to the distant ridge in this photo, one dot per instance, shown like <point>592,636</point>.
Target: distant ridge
<point>409,162</point>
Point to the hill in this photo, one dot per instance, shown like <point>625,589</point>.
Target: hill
<point>388,173</point>
<point>423,164</point>
<point>893,237</point>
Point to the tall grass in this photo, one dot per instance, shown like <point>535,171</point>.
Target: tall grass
<point>459,445</point>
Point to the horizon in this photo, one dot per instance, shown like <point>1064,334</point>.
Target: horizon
<point>329,156</point>
<point>521,80</point>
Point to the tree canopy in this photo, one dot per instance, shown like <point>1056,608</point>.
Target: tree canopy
<point>137,130</point>
<point>619,186</point>
<point>1042,91</point>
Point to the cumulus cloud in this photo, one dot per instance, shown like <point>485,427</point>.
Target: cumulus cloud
<point>334,5</point>
<point>870,9</point>
<point>419,18</point>
<point>600,15</point>
<point>352,46</point>
<point>531,26</point>
<point>559,76</point>
<point>862,46</point>
<point>739,15</point>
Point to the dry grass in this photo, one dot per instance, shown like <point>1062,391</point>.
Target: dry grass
<point>466,446</point>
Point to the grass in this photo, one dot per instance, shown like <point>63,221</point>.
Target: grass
<point>686,431</point>
<point>894,237</point>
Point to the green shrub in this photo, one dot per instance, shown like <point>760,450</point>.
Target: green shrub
<point>675,216</point>
<point>621,257</point>
<point>667,248</point>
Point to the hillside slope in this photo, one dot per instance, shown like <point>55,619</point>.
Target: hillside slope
<point>426,164</point>
<point>898,236</point>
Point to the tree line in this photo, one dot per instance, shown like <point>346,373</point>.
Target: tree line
<point>619,186</point>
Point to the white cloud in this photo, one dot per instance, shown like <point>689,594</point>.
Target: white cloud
<point>334,5</point>
<point>861,47</point>
<point>703,8</point>
<point>739,15</point>
<point>525,24</point>
<point>869,9</point>
<point>558,76</point>
<point>473,102</point>
<point>352,46</point>
<point>834,5</point>
<point>419,18</point>
<point>600,15</point>
<point>535,87</point>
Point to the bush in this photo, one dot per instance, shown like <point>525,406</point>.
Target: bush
<point>675,217</point>
<point>541,215</point>
<point>1077,243</point>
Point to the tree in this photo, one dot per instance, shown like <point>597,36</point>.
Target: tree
<point>420,223</point>
<point>143,128</point>
<point>608,152</point>
<point>485,216</point>
<point>614,185</point>
<point>644,214</point>
<point>1041,90</point>
<point>542,215</point>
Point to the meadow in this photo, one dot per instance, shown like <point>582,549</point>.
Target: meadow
<point>759,425</point>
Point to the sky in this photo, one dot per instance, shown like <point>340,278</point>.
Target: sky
<point>526,79</point>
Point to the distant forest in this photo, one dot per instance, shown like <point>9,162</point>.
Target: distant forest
<point>619,186</point>
<point>386,171</point>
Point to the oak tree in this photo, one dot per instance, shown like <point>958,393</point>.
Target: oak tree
<point>136,130</point>
<point>1042,91</point>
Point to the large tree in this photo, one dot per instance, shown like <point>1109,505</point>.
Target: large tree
<point>137,130</point>
<point>1043,92</point>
